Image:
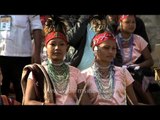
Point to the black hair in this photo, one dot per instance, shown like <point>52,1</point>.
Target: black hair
<point>55,23</point>
<point>58,24</point>
<point>99,17</point>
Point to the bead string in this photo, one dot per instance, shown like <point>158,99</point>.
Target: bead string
<point>105,86</point>
<point>59,76</point>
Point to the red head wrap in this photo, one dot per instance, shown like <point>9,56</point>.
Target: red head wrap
<point>53,35</point>
<point>122,17</point>
<point>98,39</point>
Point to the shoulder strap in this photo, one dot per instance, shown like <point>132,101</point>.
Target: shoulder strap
<point>47,79</point>
<point>39,82</point>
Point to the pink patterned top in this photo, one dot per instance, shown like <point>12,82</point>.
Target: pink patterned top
<point>122,79</point>
<point>139,44</point>
<point>69,97</point>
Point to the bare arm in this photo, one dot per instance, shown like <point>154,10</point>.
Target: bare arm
<point>131,94</point>
<point>83,94</point>
<point>30,95</point>
<point>38,38</point>
<point>148,59</point>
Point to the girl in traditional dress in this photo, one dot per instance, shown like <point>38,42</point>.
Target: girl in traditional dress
<point>107,84</point>
<point>133,48</point>
<point>65,79</point>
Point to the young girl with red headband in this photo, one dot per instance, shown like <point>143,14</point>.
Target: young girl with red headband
<point>107,84</point>
<point>132,47</point>
<point>65,79</point>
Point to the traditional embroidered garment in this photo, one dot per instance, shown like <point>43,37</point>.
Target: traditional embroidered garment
<point>122,79</point>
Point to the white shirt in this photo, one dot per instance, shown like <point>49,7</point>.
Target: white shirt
<point>17,41</point>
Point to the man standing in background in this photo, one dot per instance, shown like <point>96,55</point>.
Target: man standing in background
<point>16,49</point>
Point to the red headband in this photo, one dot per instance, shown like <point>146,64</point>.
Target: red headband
<point>122,17</point>
<point>98,39</point>
<point>53,35</point>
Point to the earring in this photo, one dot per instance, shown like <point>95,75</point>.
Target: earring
<point>95,48</point>
<point>120,25</point>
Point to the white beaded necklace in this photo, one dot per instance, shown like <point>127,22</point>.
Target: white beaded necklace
<point>105,86</point>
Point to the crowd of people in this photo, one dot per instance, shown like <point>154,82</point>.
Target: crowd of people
<point>92,59</point>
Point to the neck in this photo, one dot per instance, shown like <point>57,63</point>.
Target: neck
<point>56,63</point>
<point>126,35</point>
<point>102,65</point>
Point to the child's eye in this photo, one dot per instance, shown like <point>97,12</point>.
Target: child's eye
<point>106,47</point>
<point>62,44</point>
<point>53,44</point>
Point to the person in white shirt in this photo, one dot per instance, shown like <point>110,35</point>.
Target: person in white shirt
<point>16,50</point>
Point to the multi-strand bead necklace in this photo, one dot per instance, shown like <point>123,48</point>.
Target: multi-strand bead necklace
<point>105,85</point>
<point>59,75</point>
